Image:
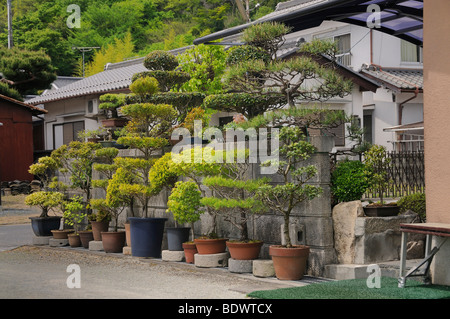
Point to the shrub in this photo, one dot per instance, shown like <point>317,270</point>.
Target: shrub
<point>145,85</point>
<point>349,181</point>
<point>160,60</point>
<point>414,202</point>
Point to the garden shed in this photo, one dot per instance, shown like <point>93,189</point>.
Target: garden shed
<point>16,138</point>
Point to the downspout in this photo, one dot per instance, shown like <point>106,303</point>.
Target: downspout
<point>400,110</point>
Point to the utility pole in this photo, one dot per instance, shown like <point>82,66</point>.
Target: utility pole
<point>83,50</point>
<point>10,31</point>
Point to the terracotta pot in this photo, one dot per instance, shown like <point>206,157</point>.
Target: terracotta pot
<point>244,251</point>
<point>86,236</point>
<point>190,250</point>
<point>113,242</point>
<point>206,246</point>
<point>127,234</point>
<point>289,263</point>
<point>116,122</point>
<point>98,228</point>
<point>74,240</point>
<point>61,234</point>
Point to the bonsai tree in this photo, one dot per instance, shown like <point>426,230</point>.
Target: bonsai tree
<point>45,200</point>
<point>283,197</point>
<point>234,195</point>
<point>74,213</point>
<point>43,170</point>
<point>185,203</point>
<point>377,165</point>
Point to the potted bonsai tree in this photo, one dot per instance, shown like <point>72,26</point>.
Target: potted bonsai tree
<point>184,203</point>
<point>47,201</point>
<point>187,165</point>
<point>377,164</point>
<point>74,214</point>
<point>111,104</point>
<point>290,260</point>
<point>234,200</point>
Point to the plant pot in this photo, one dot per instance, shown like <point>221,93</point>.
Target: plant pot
<point>127,234</point>
<point>61,234</point>
<point>117,122</point>
<point>43,226</point>
<point>74,240</point>
<point>243,250</point>
<point>146,236</point>
<point>381,211</point>
<point>190,250</point>
<point>176,237</point>
<point>85,237</point>
<point>289,263</point>
<point>113,242</point>
<point>206,246</point>
<point>98,228</point>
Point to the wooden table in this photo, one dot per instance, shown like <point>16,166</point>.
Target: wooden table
<point>430,230</point>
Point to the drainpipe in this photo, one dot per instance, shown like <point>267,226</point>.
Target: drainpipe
<point>401,105</point>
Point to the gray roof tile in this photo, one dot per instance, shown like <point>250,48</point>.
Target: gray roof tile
<point>401,79</point>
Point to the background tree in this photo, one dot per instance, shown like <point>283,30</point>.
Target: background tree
<point>26,71</point>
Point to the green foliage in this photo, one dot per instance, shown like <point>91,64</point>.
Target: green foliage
<point>267,36</point>
<point>10,92</point>
<point>144,85</point>
<point>160,60</point>
<point>349,181</point>
<point>167,79</point>
<point>415,202</point>
<point>43,169</point>
<point>111,102</point>
<point>185,202</point>
<point>205,64</point>
<point>45,200</point>
<point>26,71</point>
<point>242,53</point>
<point>74,213</point>
<point>377,164</point>
<point>250,105</point>
<point>196,114</point>
<point>162,174</point>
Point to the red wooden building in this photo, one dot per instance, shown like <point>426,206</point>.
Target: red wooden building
<point>16,138</point>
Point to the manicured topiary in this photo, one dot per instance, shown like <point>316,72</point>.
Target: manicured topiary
<point>415,202</point>
<point>160,60</point>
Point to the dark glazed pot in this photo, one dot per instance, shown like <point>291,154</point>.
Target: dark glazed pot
<point>146,236</point>
<point>43,226</point>
<point>176,237</point>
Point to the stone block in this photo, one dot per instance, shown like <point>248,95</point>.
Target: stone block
<point>41,240</point>
<point>96,245</point>
<point>170,255</point>
<point>263,268</point>
<point>211,260</point>
<point>58,242</point>
<point>240,266</point>
<point>126,250</point>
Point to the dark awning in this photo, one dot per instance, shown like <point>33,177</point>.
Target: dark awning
<point>400,18</point>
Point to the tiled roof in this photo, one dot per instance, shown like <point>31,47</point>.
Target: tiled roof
<point>397,79</point>
<point>106,81</point>
<point>117,76</point>
<point>290,6</point>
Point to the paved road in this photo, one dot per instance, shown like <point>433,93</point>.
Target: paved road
<point>42,272</point>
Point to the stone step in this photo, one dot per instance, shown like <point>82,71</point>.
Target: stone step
<point>356,271</point>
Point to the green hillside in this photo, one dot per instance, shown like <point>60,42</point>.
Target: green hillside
<point>132,28</point>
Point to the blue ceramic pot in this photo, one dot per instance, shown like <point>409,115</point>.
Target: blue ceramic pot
<point>146,236</point>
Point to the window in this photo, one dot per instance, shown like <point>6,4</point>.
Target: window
<point>410,52</point>
<point>66,133</point>
<point>344,45</point>
<point>367,120</point>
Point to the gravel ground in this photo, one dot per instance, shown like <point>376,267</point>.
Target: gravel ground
<point>41,272</point>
